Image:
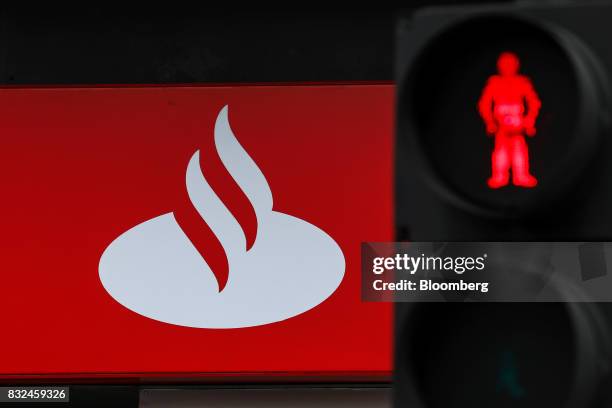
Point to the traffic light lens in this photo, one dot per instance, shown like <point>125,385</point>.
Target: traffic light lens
<point>498,354</point>
<point>494,104</point>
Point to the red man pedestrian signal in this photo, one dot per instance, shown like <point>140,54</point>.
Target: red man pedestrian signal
<point>509,106</point>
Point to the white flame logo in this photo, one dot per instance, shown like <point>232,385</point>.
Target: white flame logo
<point>154,269</point>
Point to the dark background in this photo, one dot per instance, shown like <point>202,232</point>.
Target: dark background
<point>180,44</point>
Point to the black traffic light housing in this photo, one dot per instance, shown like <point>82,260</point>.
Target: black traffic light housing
<point>444,57</point>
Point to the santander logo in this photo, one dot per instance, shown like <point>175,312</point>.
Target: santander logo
<point>292,266</point>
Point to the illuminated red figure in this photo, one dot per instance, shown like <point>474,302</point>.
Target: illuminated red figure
<point>509,106</point>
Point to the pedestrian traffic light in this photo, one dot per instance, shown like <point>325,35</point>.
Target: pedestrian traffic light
<point>503,134</point>
<point>509,107</point>
<point>502,114</point>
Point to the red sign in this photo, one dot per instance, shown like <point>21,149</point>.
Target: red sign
<point>194,231</point>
